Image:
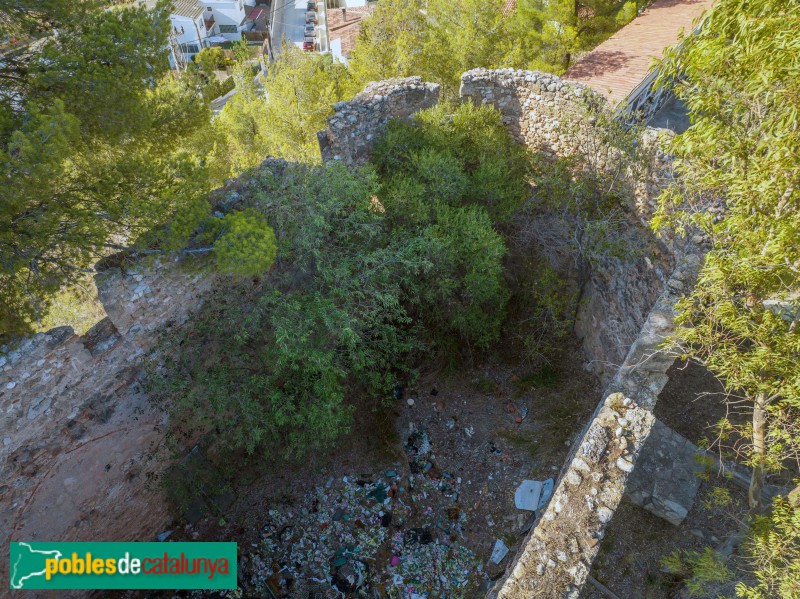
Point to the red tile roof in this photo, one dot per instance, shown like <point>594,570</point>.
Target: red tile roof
<point>619,64</point>
<point>346,30</point>
<point>256,13</point>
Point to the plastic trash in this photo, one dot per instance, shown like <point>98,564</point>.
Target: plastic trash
<point>499,552</point>
<point>164,536</point>
<point>547,493</point>
<point>528,495</point>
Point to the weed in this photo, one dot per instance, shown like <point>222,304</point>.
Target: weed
<point>524,442</point>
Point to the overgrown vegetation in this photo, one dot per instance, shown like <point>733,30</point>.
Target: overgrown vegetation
<point>740,185</point>
<point>279,115</point>
<point>376,270</point>
<point>366,281</point>
<point>99,156</point>
<point>440,40</point>
<point>98,145</point>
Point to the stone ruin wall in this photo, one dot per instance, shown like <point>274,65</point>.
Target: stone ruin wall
<point>626,315</point>
<point>627,311</point>
<point>354,126</point>
<point>556,557</point>
<point>79,434</point>
<point>618,296</point>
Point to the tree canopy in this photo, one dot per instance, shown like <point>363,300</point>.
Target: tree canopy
<point>94,146</point>
<point>439,40</point>
<point>740,185</point>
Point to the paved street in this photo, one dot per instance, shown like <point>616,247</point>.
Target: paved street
<point>288,19</point>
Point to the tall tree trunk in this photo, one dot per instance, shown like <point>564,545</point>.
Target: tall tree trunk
<point>759,450</point>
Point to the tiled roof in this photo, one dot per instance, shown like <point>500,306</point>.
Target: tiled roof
<point>347,31</point>
<point>183,8</point>
<point>619,64</point>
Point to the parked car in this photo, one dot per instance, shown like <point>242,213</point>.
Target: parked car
<point>310,30</point>
<point>311,6</point>
<point>308,43</point>
<point>311,17</point>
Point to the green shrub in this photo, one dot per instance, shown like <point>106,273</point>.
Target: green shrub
<point>705,571</point>
<point>246,244</point>
<point>465,292</point>
<point>461,154</point>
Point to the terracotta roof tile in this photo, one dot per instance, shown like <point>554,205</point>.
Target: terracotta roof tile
<point>346,30</point>
<point>619,64</point>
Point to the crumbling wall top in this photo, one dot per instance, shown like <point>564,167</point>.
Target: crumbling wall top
<point>355,124</point>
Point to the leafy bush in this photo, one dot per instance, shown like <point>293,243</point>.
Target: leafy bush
<point>774,551</point>
<point>211,59</point>
<point>269,365</point>
<point>246,244</point>
<point>450,178</point>
<point>705,572</point>
<point>461,154</point>
<point>359,273</point>
<point>465,293</point>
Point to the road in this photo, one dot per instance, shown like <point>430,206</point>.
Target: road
<point>289,20</point>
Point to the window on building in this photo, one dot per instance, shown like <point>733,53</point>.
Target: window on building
<point>191,48</point>
<point>227,29</point>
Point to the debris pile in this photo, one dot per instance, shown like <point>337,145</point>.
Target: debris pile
<point>387,535</point>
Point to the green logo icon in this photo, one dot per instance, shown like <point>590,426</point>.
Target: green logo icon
<point>122,565</point>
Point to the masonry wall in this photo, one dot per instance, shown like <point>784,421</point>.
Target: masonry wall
<point>561,118</point>
<point>556,557</point>
<point>355,124</point>
<point>78,435</point>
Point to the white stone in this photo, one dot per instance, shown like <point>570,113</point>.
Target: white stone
<point>561,556</point>
<point>579,464</point>
<point>11,385</point>
<point>623,422</point>
<point>605,515</point>
<point>624,465</point>
<point>573,478</point>
<point>410,401</point>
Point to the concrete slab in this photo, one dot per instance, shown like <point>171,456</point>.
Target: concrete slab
<point>665,480</point>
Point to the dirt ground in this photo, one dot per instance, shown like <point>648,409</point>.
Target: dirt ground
<point>488,429</point>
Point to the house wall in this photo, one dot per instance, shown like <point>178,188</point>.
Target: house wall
<point>194,31</point>
<point>230,14</point>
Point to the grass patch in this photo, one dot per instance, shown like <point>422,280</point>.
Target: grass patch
<point>486,385</point>
<point>545,377</point>
<point>525,442</point>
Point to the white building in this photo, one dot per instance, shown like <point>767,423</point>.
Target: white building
<point>197,24</point>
